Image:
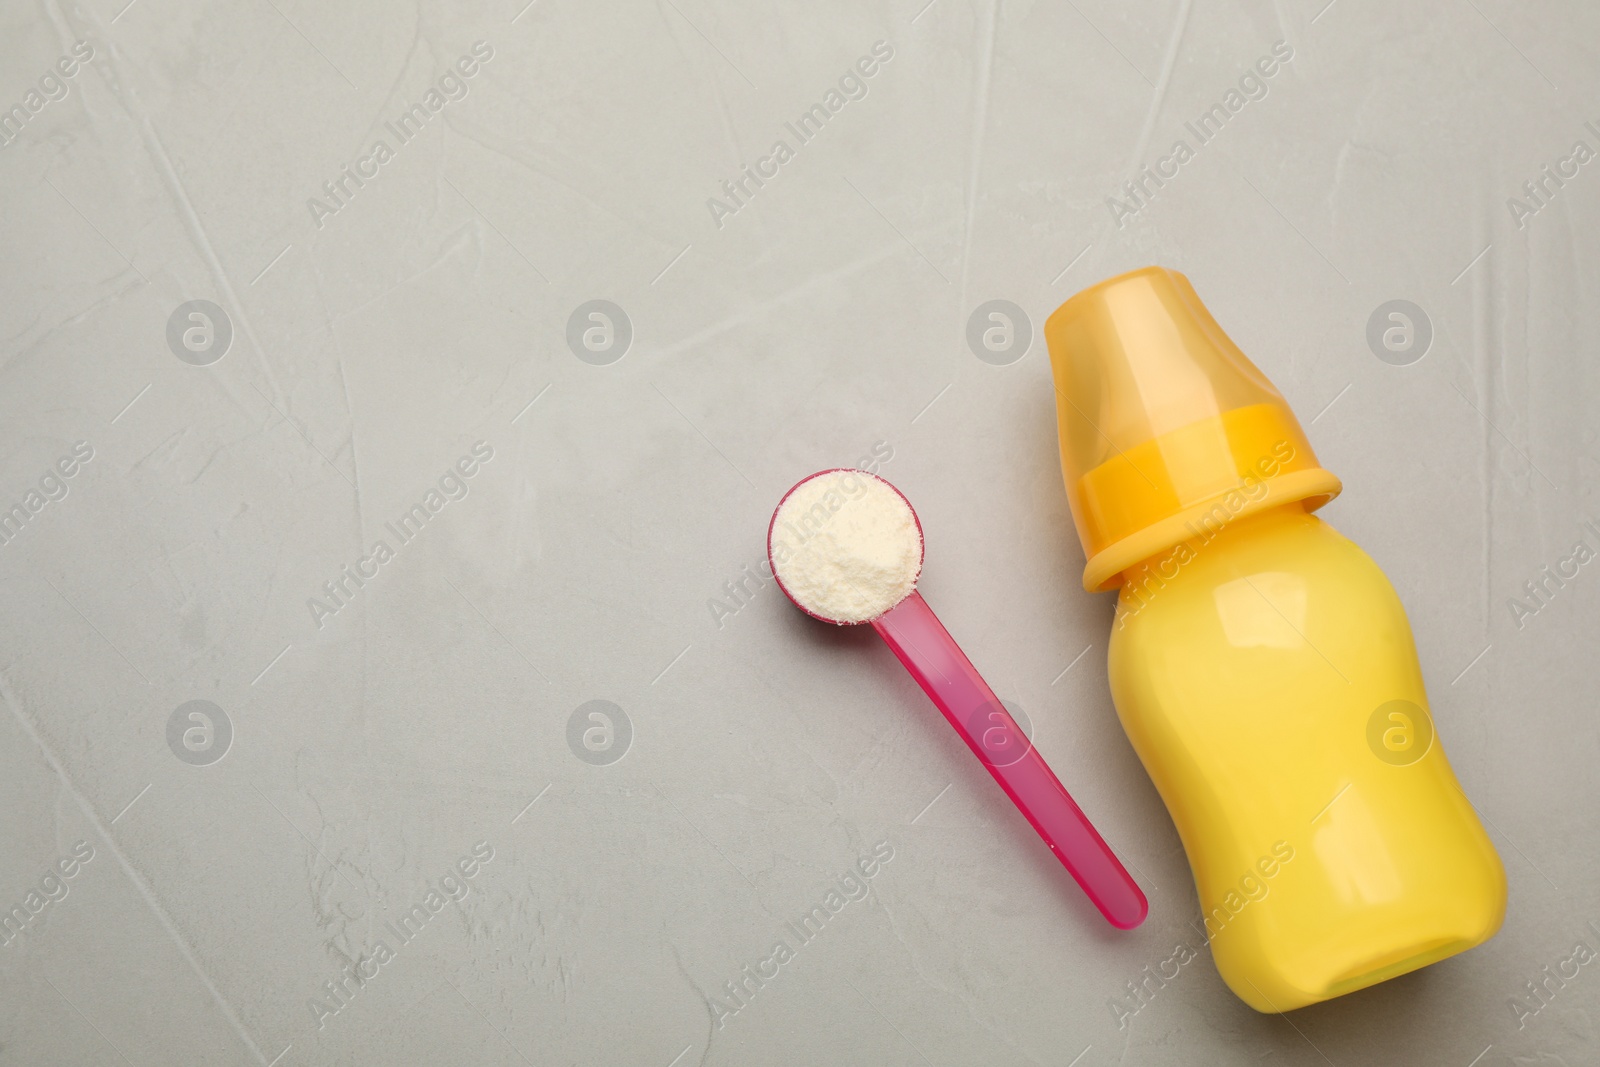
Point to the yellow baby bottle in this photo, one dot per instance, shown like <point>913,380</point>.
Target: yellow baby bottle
<point>1260,662</point>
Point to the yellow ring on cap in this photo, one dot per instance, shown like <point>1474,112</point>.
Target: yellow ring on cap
<point>1191,482</point>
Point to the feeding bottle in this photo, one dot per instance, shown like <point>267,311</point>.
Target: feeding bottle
<point>1260,662</point>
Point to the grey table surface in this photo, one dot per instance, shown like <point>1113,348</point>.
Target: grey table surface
<point>397,747</point>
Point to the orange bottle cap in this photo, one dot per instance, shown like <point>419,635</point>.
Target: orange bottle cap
<point>1168,432</point>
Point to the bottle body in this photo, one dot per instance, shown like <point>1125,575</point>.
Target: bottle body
<point>1267,677</point>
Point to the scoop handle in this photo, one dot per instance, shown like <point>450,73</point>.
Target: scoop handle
<point>927,650</point>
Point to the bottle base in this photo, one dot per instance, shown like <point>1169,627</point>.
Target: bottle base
<point>1393,964</point>
<point>1368,972</point>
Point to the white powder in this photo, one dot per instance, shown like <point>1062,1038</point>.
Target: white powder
<point>846,546</point>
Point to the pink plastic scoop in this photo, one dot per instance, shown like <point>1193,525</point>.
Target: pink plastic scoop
<point>927,650</point>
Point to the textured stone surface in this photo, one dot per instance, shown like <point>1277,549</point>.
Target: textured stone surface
<point>430,338</point>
